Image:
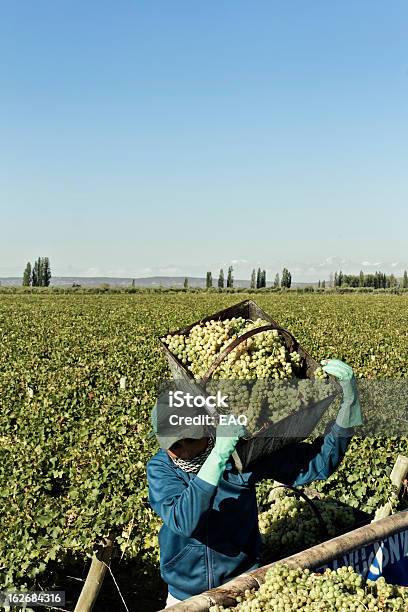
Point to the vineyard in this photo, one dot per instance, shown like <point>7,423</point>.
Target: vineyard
<point>73,442</point>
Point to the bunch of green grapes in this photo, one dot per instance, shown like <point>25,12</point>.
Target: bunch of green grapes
<point>290,524</point>
<point>269,401</point>
<point>264,355</point>
<point>276,399</point>
<point>262,359</point>
<point>342,590</point>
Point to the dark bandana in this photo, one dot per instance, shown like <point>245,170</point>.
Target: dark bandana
<point>194,465</point>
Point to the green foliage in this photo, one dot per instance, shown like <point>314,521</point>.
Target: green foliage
<point>46,272</point>
<point>41,273</point>
<point>362,479</point>
<point>71,469</point>
<point>27,278</point>
<point>74,454</point>
<point>230,278</point>
<point>286,278</point>
<point>221,279</point>
<point>258,278</point>
<point>253,279</point>
<point>379,280</point>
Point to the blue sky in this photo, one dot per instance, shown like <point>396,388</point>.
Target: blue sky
<point>158,137</point>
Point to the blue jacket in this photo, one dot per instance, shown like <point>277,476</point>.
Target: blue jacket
<point>210,533</point>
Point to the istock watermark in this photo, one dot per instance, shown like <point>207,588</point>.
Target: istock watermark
<point>179,420</point>
<point>181,399</point>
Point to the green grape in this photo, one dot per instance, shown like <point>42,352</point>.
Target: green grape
<point>290,523</point>
<point>342,590</point>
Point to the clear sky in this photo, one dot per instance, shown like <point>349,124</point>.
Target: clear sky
<point>173,137</point>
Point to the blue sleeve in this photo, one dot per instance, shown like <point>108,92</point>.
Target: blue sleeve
<point>180,505</point>
<point>300,463</point>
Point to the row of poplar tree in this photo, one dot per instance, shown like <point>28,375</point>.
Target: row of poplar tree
<point>38,275</point>
<point>379,280</point>
<point>258,279</point>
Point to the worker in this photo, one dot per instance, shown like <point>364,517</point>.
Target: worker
<point>210,530</point>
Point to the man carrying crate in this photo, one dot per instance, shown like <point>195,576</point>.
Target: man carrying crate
<point>209,510</point>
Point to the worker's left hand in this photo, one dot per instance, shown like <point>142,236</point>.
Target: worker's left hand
<point>226,439</point>
<point>350,411</point>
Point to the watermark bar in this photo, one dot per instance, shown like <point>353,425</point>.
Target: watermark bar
<point>294,408</point>
<point>32,599</point>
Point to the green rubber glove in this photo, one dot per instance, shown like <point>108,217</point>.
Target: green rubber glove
<point>350,411</point>
<point>226,440</point>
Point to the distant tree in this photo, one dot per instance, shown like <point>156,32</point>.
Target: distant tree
<point>318,284</point>
<point>263,278</point>
<point>27,275</point>
<point>286,278</point>
<point>34,275</point>
<point>208,281</point>
<point>253,279</point>
<point>276,282</point>
<point>258,278</point>
<point>46,272</point>
<point>323,284</point>
<point>186,283</point>
<point>133,282</point>
<point>221,279</point>
<point>405,280</point>
<point>230,278</point>
<point>378,280</point>
<point>41,272</point>
<point>40,268</point>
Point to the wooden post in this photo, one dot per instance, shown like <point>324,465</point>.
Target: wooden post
<point>397,477</point>
<point>399,471</point>
<point>95,577</point>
